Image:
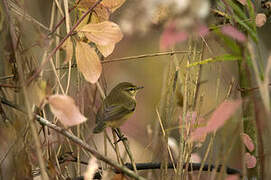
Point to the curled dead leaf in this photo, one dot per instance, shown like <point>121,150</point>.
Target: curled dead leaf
<point>88,62</point>
<point>64,108</point>
<point>103,33</point>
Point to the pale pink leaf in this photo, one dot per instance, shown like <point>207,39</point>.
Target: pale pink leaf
<point>250,160</point>
<point>248,142</point>
<point>260,19</point>
<point>88,62</point>
<point>171,36</point>
<point>224,111</point>
<point>233,33</point>
<point>64,108</point>
<point>190,117</point>
<point>202,30</point>
<point>107,49</point>
<point>217,120</point>
<point>91,169</point>
<point>199,134</point>
<point>232,177</point>
<point>195,158</point>
<point>103,33</point>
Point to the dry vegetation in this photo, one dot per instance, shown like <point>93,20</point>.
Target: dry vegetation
<point>204,112</point>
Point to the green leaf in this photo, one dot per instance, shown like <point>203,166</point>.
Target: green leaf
<point>231,43</point>
<point>238,11</point>
<point>251,13</point>
<point>243,20</point>
<point>225,57</point>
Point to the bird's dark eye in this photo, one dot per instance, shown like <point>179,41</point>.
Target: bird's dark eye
<point>131,89</point>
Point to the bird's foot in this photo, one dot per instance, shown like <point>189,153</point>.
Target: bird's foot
<point>120,136</point>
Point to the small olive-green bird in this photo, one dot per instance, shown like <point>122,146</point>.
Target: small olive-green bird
<point>116,107</point>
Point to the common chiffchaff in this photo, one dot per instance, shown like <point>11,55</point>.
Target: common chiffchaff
<point>116,107</point>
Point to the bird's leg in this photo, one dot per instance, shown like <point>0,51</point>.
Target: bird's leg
<point>120,136</point>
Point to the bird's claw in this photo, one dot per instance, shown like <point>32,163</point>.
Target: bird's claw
<point>121,138</point>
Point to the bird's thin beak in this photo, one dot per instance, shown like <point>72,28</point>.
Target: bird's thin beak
<point>140,87</point>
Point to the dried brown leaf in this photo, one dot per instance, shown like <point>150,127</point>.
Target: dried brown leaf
<point>100,11</point>
<point>106,50</point>
<point>113,4</point>
<point>85,4</point>
<point>64,108</point>
<point>103,33</point>
<point>88,62</point>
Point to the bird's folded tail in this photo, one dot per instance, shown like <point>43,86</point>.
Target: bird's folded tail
<point>99,128</point>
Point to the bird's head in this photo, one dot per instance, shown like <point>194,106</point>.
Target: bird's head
<point>127,88</point>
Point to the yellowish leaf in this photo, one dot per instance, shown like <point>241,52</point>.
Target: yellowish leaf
<point>94,19</point>
<point>37,92</point>
<point>103,33</point>
<point>68,47</point>
<point>84,22</point>
<point>85,4</point>
<point>107,49</point>
<point>88,62</point>
<point>64,108</point>
<point>113,4</point>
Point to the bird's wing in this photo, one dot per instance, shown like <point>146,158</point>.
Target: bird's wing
<point>114,112</point>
